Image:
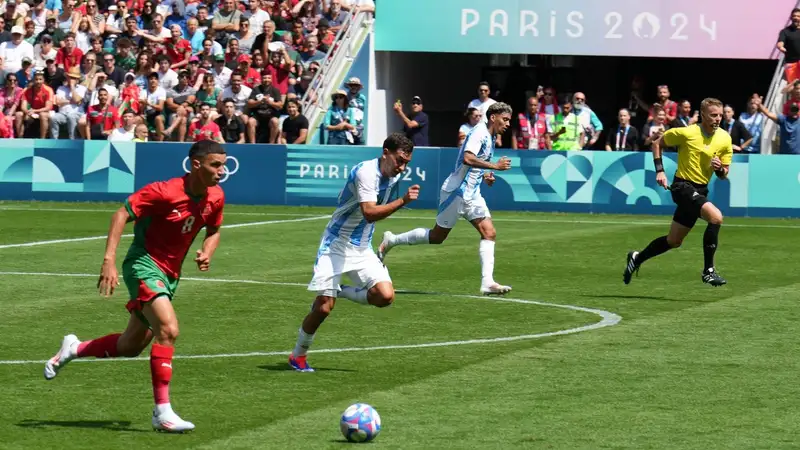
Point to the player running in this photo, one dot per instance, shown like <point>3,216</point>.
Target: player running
<point>461,197</point>
<point>346,245</point>
<point>168,216</point>
<point>703,149</point>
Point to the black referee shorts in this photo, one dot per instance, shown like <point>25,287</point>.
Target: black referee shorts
<point>689,198</point>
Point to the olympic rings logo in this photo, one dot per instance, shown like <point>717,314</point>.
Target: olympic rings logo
<point>226,172</point>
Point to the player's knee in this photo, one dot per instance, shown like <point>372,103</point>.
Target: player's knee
<point>489,234</point>
<point>674,242</point>
<point>382,295</point>
<point>716,219</point>
<point>435,237</point>
<point>324,305</point>
<point>168,334</point>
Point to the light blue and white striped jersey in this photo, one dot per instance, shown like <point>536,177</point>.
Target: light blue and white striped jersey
<point>465,179</point>
<point>364,184</point>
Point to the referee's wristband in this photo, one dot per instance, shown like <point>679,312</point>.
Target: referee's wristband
<point>659,163</point>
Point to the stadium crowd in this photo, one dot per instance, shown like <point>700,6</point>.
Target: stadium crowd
<point>180,70</point>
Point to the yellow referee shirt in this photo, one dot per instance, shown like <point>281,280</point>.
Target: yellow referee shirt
<point>695,151</point>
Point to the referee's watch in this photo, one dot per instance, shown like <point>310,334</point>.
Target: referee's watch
<point>659,163</point>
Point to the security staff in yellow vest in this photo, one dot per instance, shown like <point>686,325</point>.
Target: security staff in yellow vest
<point>566,130</point>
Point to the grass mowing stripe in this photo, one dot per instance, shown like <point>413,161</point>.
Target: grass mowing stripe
<point>607,319</point>
<point>95,238</point>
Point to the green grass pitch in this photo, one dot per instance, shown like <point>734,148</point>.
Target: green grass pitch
<point>688,366</point>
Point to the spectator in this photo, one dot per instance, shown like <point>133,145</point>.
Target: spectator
<point>548,104</point>
<point>38,16</point>
<point>69,100</point>
<point>280,67</point>
<point>30,31</point>
<point>88,67</point>
<point>529,131</point>
<point>335,16</point>
<point>180,101</point>
<point>25,74</point>
<point>140,133</point>
<point>256,16</point>
<point>591,124</point>
<point>203,20</point>
<point>167,78</point>
<point>230,124</point>
<point>194,35</point>
<point>794,99</point>
<point>82,35</point>
<point>472,116</point>
<point>151,101</point>
<point>237,92</point>
<point>656,127</point>
<point>51,29</point>
<point>204,128</point>
<point>566,130</point>
<point>753,120</point>
<point>250,76</point>
<point>325,36</point>
<point>5,36</point>
<point>11,16</point>
<point>44,51</point>
<point>740,137</point>
<point>132,33</point>
<point>115,22</point>
<point>266,37</point>
<point>414,127</point>
<point>245,36</point>
<point>635,102</point>
<point>357,99</point>
<point>265,104</point>
<point>125,133</point>
<point>626,138</point>
<point>69,19</point>
<point>10,97</point>
<point>15,50</point>
<point>669,107</point>
<point>54,76</point>
<point>176,17</point>
<point>483,102</point>
<point>209,93</point>
<point>233,53</point>
<point>196,73</point>
<point>226,21</point>
<point>310,53</point>
<point>789,127</point>
<point>125,58</point>
<point>101,81</point>
<point>789,45</point>
<point>178,50</point>
<point>114,73</point>
<point>299,89</point>
<point>295,127</point>
<point>35,107</point>
<point>339,120</point>
<point>101,119</point>
<point>69,55</point>
<point>130,93</point>
<point>684,118</point>
<point>222,74</point>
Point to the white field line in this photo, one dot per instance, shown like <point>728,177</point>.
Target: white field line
<point>664,222</point>
<point>95,238</point>
<point>607,319</point>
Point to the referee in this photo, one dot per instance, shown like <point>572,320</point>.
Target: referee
<point>703,149</point>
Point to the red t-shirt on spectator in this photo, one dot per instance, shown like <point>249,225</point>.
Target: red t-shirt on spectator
<point>69,60</point>
<point>252,79</point>
<point>177,52</point>
<point>198,132</point>
<point>280,77</point>
<point>789,104</point>
<point>38,99</point>
<point>100,115</point>
<point>671,108</point>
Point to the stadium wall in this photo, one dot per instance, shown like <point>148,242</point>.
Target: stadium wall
<point>593,182</point>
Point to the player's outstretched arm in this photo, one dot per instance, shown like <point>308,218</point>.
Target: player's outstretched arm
<point>472,160</point>
<point>210,244</point>
<point>109,279</point>
<point>374,212</point>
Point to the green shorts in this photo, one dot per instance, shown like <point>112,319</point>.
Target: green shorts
<point>145,282</point>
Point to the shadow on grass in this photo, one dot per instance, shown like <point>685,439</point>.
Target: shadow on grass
<point>284,367</point>
<point>112,425</point>
<point>645,297</point>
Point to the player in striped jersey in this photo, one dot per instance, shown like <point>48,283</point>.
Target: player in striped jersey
<point>461,197</point>
<point>346,245</point>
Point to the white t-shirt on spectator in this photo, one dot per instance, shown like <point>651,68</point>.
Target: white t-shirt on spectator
<point>121,134</point>
<point>550,109</point>
<point>167,80</point>
<point>222,79</point>
<point>64,93</point>
<point>153,97</point>
<point>40,62</point>
<point>465,128</point>
<point>113,94</point>
<point>257,20</point>
<point>12,55</point>
<point>482,107</point>
<point>240,99</point>
<point>164,33</point>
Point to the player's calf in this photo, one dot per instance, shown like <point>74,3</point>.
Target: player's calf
<point>381,295</point>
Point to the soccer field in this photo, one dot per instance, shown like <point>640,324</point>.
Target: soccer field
<point>572,358</point>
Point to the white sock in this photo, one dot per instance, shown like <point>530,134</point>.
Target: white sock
<point>413,237</point>
<point>163,408</point>
<point>355,294</point>
<point>304,341</point>
<point>486,250</point>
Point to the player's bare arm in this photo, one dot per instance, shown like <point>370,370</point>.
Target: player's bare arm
<point>472,160</point>
<point>661,177</point>
<point>374,212</point>
<point>109,278</point>
<point>210,243</point>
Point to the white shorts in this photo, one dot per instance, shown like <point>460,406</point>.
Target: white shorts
<point>452,206</point>
<point>360,264</point>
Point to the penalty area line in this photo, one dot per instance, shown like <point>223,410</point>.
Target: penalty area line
<point>607,319</point>
<point>97,238</point>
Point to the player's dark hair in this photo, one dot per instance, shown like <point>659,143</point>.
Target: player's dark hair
<point>205,147</point>
<point>398,141</point>
<point>498,108</point>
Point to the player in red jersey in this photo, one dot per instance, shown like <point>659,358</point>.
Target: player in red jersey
<point>168,216</point>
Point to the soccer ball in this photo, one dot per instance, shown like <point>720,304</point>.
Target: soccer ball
<point>360,423</point>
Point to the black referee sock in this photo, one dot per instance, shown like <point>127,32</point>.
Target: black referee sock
<point>653,249</point>
<point>710,239</point>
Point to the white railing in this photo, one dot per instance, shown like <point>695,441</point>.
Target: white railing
<point>329,77</point>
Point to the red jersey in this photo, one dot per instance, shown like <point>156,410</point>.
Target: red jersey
<point>168,220</point>
<point>69,60</point>
<point>177,52</point>
<point>108,116</point>
<point>199,132</point>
